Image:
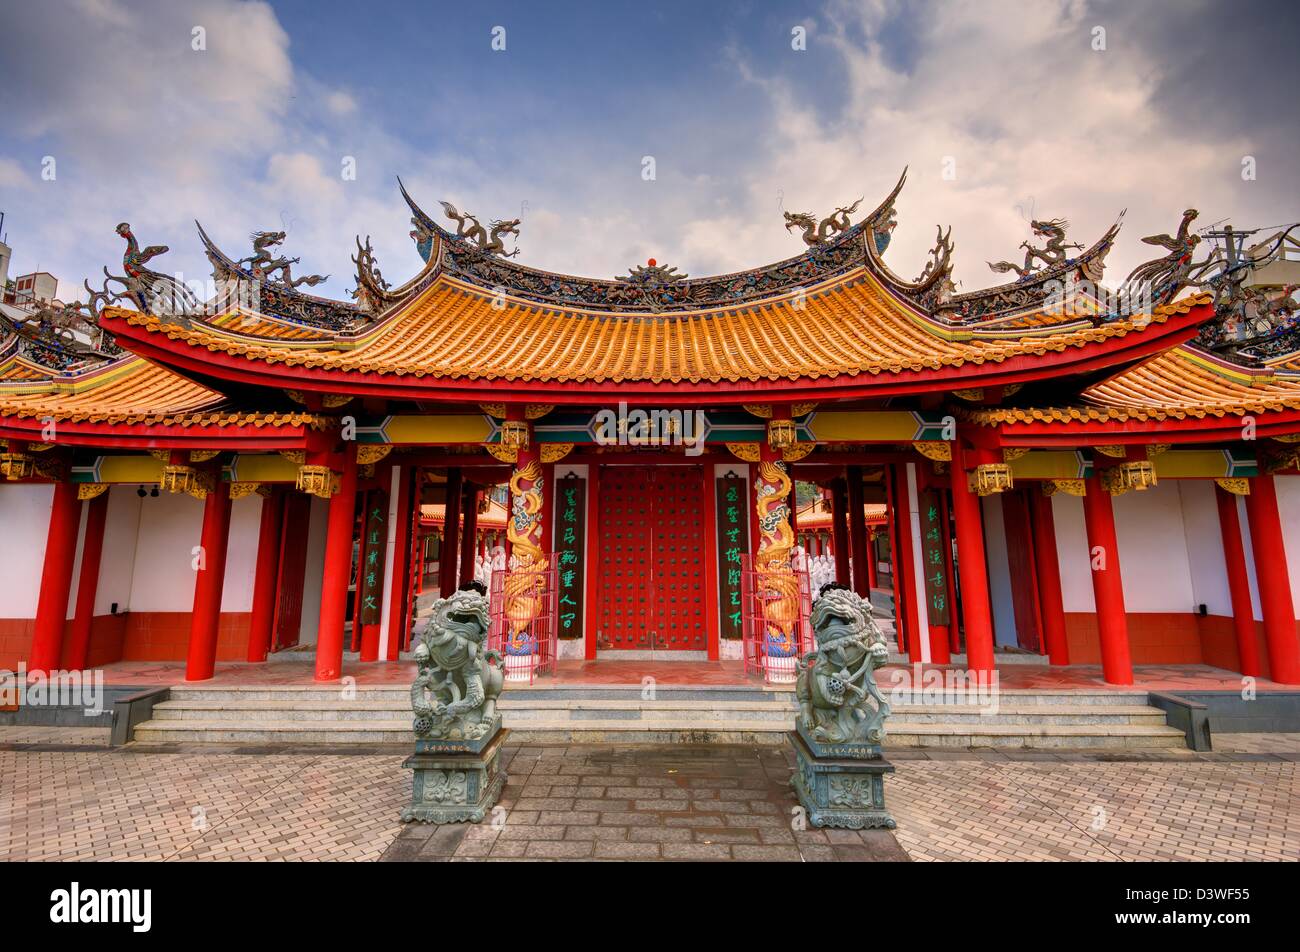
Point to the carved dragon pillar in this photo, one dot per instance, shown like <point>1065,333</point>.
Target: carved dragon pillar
<point>525,586</point>
<point>775,582</point>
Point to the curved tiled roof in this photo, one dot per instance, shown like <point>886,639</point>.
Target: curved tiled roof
<point>134,391</point>
<point>850,325</point>
<point>1179,384</point>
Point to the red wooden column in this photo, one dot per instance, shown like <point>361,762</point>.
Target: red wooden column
<point>954,617</point>
<point>871,558</point>
<point>591,590</point>
<point>1274,582</point>
<point>92,550</point>
<point>891,528</point>
<point>840,530</point>
<point>399,558</point>
<point>447,570</point>
<point>338,566</point>
<point>266,573</point>
<point>976,608</point>
<point>857,531</point>
<point>1234,559</point>
<point>469,534</point>
<point>1048,567</point>
<point>1107,586</point>
<point>56,579</point>
<point>205,616</point>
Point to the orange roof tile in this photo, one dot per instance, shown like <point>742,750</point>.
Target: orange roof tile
<point>133,391</point>
<point>1178,384</point>
<point>849,325</point>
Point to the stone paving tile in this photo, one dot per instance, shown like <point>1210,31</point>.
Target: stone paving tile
<point>585,802</point>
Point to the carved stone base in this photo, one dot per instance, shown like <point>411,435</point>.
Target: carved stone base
<point>848,793</point>
<point>442,745</point>
<point>456,787</point>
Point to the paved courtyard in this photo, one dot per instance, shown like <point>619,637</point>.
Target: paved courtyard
<point>64,795</point>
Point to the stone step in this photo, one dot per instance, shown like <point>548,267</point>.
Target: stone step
<point>901,734</point>
<point>521,710</point>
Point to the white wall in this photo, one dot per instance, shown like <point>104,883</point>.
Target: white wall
<point>162,579</point>
<point>1204,543</point>
<point>121,533</point>
<point>241,554</point>
<point>316,528</point>
<point>25,519</point>
<point>1288,504</point>
<point>1153,550</point>
<point>1072,553</point>
<point>999,567</point>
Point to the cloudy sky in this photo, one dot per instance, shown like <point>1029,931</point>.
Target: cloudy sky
<point>1056,108</point>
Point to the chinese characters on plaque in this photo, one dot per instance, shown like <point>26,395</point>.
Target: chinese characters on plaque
<point>733,541</point>
<point>570,533</point>
<point>932,558</point>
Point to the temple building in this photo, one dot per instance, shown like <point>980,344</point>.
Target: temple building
<point>1048,467</point>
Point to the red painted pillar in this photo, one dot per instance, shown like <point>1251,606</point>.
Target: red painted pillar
<point>1107,586</point>
<point>840,530</point>
<point>1274,582</point>
<point>857,531</point>
<point>976,608</point>
<point>56,579</point>
<point>338,566</point>
<point>209,579</point>
<point>1234,560</point>
<point>92,550</point>
<point>469,533</point>
<point>891,527</point>
<point>954,617</point>
<point>266,573</point>
<point>447,556</point>
<point>871,559</point>
<point>1048,567</point>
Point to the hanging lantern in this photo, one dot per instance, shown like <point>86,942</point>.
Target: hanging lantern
<point>179,478</point>
<point>990,478</point>
<point>781,434</point>
<point>1125,476</point>
<point>16,465</point>
<point>316,481</point>
<point>514,434</point>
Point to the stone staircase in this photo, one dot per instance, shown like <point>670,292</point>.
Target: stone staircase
<point>557,714</point>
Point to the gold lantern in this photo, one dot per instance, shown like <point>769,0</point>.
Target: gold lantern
<point>1136,475</point>
<point>178,478</point>
<point>989,478</point>
<point>781,434</point>
<point>514,434</point>
<point>16,465</point>
<point>315,481</point>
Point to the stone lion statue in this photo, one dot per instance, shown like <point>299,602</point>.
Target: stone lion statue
<point>836,684</point>
<point>455,692</point>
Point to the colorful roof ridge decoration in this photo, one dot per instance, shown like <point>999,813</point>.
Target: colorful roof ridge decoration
<point>279,299</point>
<point>847,327</point>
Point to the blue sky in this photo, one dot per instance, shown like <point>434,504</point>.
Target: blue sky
<point>252,132</point>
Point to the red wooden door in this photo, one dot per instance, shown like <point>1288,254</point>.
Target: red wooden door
<point>651,564</point>
<point>293,567</point>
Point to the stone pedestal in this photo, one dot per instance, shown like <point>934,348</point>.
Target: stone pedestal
<point>841,785</point>
<point>455,781</point>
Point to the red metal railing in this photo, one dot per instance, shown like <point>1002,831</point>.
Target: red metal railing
<point>522,607</point>
<point>775,608</point>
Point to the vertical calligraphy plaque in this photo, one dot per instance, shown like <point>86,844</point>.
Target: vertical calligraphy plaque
<point>374,545</point>
<point>932,557</point>
<point>733,541</point>
<point>570,553</point>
